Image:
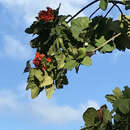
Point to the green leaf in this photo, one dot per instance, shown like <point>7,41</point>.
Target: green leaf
<point>108,48</point>
<point>111,98</point>
<point>87,61</point>
<point>100,41</point>
<point>31,85</point>
<point>81,52</point>
<point>117,92</point>
<point>77,26</point>
<point>39,75</point>
<point>60,60</point>
<point>103,4</point>
<point>47,80</point>
<point>35,92</point>
<point>124,105</point>
<point>106,116</point>
<point>49,91</point>
<point>126,92</point>
<point>31,74</point>
<point>70,64</point>
<point>89,117</point>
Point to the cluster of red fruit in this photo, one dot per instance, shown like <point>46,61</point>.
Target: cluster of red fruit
<point>46,15</point>
<point>38,58</point>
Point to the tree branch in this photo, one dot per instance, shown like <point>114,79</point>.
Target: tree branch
<point>82,10</point>
<point>109,10</point>
<point>117,35</point>
<point>94,12</point>
<point>111,1</point>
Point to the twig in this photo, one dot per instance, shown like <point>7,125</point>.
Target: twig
<point>111,1</point>
<point>82,10</point>
<point>94,12</point>
<point>109,10</point>
<point>117,35</point>
<point>119,9</point>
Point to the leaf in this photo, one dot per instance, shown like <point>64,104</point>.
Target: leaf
<point>107,48</point>
<point>111,98</point>
<point>126,92</point>
<point>81,52</point>
<point>60,60</point>
<point>70,64</point>
<point>100,41</point>
<point>117,92</point>
<point>89,117</point>
<point>47,80</point>
<point>124,105</point>
<point>106,116</point>
<point>87,61</point>
<point>39,75</point>
<point>77,26</point>
<point>49,91</point>
<point>103,4</point>
<point>35,92</point>
<point>31,85</point>
<point>31,75</point>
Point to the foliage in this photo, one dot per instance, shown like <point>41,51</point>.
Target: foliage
<point>61,46</point>
<point>117,119</point>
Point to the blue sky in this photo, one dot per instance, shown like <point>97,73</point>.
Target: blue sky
<point>87,88</point>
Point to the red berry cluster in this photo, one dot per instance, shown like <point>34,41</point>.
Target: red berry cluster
<point>46,15</point>
<point>38,58</point>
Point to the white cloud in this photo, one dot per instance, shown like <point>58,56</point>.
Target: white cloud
<point>30,8</point>
<point>42,109</point>
<point>14,48</point>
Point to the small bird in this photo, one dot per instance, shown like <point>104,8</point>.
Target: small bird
<point>28,66</point>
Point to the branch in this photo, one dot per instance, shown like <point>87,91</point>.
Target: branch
<point>94,12</point>
<point>111,1</point>
<point>82,10</point>
<point>117,35</point>
<point>119,9</point>
<point>109,10</point>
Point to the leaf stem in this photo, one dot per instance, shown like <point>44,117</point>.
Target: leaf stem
<point>117,35</point>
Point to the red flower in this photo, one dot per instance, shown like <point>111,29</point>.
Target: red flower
<point>48,59</point>
<point>43,67</point>
<point>36,62</point>
<point>46,15</point>
<point>38,58</point>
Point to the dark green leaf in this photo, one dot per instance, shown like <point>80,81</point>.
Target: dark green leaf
<point>126,92</point>
<point>111,98</point>
<point>106,116</point>
<point>127,5</point>
<point>89,117</point>
<point>103,4</point>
